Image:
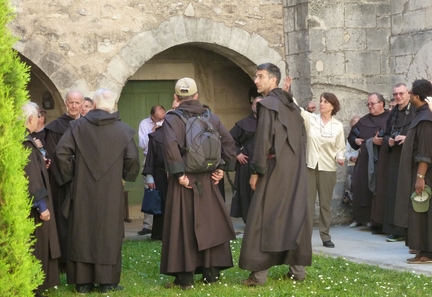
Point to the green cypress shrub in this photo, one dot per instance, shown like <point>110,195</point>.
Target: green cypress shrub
<point>20,271</point>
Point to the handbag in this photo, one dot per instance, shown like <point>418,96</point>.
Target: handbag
<point>152,202</point>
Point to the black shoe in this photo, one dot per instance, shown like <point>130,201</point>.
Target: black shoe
<point>110,287</point>
<point>376,230</point>
<point>144,231</point>
<point>328,244</point>
<point>84,288</point>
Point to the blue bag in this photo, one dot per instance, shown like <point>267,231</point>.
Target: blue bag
<point>152,202</point>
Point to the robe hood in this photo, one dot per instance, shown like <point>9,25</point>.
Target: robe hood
<point>98,157</point>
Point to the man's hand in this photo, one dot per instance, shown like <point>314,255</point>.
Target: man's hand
<point>400,139</point>
<point>341,161</point>
<point>151,186</point>
<point>253,181</point>
<point>359,141</point>
<point>217,175</point>
<point>419,185</point>
<point>377,140</point>
<point>45,216</point>
<point>184,181</point>
<point>243,159</point>
<point>47,162</point>
<point>38,142</point>
<point>287,83</point>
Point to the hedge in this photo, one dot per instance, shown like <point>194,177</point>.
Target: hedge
<point>20,272</point>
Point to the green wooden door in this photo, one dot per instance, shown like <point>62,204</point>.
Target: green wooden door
<point>136,100</point>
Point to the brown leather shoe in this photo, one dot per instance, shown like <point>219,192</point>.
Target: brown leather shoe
<point>249,282</point>
<point>419,259</point>
<point>175,286</point>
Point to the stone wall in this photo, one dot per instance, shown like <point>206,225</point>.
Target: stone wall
<point>346,47</point>
<point>82,44</point>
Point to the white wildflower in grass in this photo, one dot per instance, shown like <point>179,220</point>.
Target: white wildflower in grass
<point>328,288</point>
<point>55,287</point>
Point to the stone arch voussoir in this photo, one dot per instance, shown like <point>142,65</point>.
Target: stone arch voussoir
<point>244,48</point>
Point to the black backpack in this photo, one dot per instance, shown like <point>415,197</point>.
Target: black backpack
<point>202,151</point>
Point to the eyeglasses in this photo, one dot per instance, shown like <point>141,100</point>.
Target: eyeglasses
<point>39,115</point>
<point>371,103</point>
<point>400,93</point>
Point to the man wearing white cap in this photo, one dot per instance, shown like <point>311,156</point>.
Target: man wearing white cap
<point>197,225</point>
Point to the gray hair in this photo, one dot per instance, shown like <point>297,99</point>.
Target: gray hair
<point>30,109</point>
<point>105,100</point>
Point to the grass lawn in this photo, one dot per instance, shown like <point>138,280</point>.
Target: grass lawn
<point>326,277</point>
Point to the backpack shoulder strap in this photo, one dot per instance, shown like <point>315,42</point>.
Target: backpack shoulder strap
<point>180,113</point>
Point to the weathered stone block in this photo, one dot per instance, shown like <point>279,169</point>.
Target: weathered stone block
<point>325,15</point>
<point>239,40</point>
<point>145,45</point>
<point>360,15</point>
<point>35,48</point>
<point>51,62</point>
<point>302,89</point>
<point>397,24</point>
<point>179,30</point>
<point>289,17</point>
<point>383,21</point>
<point>317,40</point>
<point>420,39</point>
<point>298,41</point>
<point>64,77</point>
<point>414,21</point>
<point>377,39</point>
<point>301,14</point>
<point>221,34</point>
<point>113,86</point>
<point>346,39</point>
<point>364,63</point>
<point>428,23</point>
<point>378,83</point>
<point>402,64</point>
<point>118,70</point>
<point>332,63</point>
<point>401,45</point>
<point>202,32</point>
<point>419,4</point>
<point>383,9</point>
<point>164,35</point>
<point>399,6</point>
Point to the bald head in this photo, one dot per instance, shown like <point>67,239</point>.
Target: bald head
<point>74,102</point>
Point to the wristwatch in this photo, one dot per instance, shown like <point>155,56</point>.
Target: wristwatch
<point>420,176</point>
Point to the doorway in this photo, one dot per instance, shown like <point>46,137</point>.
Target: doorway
<point>136,100</point>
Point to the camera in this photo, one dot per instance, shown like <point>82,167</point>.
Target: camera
<point>381,133</point>
<point>394,134</point>
<point>356,132</point>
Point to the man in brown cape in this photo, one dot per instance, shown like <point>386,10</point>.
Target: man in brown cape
<point>53,132</point>
<point>415,174</point>
<point>244,134</point>
<point>46,247</point>
<point>197,226</point>
<point>365,135</point>
<point>277,229</point>
<point>97,152</point>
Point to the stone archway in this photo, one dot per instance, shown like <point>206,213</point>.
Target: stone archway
<point>243,48</point>
<point>55,69</point>
<point>420,65</point>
